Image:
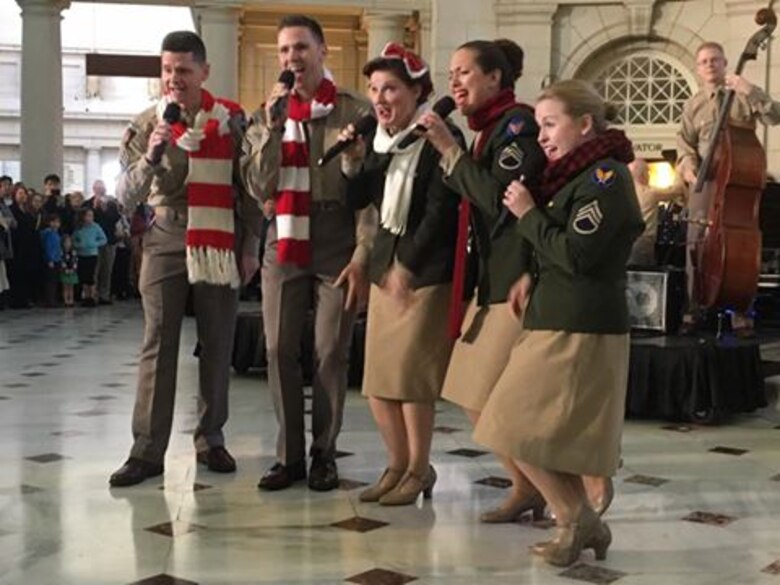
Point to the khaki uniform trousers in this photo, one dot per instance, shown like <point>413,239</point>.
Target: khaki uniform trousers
<point>289,292</point>
<point>164,289</point>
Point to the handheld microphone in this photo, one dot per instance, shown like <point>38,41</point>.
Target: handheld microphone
<point>443,108</point>
<point>171,115</point>
<point>364,126</point>
<point>286,78</point>
<point>502,217</point>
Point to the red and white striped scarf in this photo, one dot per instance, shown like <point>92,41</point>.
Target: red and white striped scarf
<point>210,222</point>
<point>293,194</point>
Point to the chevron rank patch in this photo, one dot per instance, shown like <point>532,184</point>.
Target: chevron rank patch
<point>511,158</point>
<point>604,176</point>
<point>588,219</point>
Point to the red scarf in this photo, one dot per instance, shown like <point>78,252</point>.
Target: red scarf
<point>210,223</point>
<point>609,144</point>
<point>483,121</point>
<point>293,195</point>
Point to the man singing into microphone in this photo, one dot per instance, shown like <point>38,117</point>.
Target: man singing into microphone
<point>316,250</point>
<point>183,161</point>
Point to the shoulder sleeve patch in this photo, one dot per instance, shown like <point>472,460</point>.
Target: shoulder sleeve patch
<point>511,157</point>
<point>515,126</point>
<point>588,219</point>
<point>604,176</point>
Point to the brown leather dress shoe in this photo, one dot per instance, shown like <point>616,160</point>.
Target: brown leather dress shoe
<point>323,475</point>
<point>281,476</point>
<point>217,459</point>
<point>134,471</point>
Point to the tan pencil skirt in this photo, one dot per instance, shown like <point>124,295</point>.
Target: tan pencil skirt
<point>481,354</point>
<point>407,351</point>
<point>560,402</point>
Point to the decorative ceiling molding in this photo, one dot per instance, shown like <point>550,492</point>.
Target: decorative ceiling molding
<point>640,16</point>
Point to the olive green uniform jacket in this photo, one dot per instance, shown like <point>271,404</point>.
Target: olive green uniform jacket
<point>581,241</point>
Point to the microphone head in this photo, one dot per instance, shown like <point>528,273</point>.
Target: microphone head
<point>172,113</point>
<point>287,78</point>
<point>444,106</point>
<point>365,125</point>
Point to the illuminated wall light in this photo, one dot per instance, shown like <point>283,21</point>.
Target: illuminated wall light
<point>662,174</point>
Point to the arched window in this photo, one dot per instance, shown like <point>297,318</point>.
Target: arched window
<point>646,87</point>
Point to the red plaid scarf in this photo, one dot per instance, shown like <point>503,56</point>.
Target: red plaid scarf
<point>483,121</point>
<point>610,144</point>
<point>293,194</point>
<point>210,222</point>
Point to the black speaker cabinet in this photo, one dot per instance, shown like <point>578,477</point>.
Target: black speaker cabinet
<point>655,299</point>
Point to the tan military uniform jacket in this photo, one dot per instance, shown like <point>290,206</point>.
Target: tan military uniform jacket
<point>262,160</point>
<point>164,186</point>
<point>700,115</point>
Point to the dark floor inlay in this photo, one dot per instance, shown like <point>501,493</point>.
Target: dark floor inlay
<point>199,487</point>
<point>49,364</point>
<point>4,398</point>
<point>592,574</point>
<point>91,413</point>
<point>17,385</point>
<point>495,481</point>
<point>73,433</point>
<point>173,529</point>
<point>773,569</point>
<point>33,374</point>
<point>46,458</point>
<point>103,397</point>
<point>163,579</point>
<point>340,454</point>
<point>358,524</point>
<point>471,453</point>
<point>62,356</point>
<point>350,484</point>
<point>709,518</point>
<point>29,489</point>
<point>728,450</point>
<point>678,428</point>
<point>446,430</point>
<point>113,384</point>
<point>775,477</point>
<point>380,577</point>
<point>647,480</point>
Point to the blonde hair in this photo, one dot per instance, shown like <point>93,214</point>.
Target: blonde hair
<point>579,99</point>
<point>710,45</point>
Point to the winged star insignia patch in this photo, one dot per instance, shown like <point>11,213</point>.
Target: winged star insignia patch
<point>511,158</point>
<point>588,219</point>
<point>515,126</point>
<point>604,176</point>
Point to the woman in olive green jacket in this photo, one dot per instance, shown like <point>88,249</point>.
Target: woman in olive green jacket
<point>482,78</point>
<point>558,408</point>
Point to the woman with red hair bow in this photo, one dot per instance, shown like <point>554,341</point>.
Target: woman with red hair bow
<point>410,270</point>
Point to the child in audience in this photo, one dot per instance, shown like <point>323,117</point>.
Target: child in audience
<point>68,275</point>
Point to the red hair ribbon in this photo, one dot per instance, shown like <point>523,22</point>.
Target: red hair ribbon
<point>415,66</point>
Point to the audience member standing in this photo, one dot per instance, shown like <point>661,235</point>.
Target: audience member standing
<point>69,274</point>
<point>27,256</point>
<point>70,211</point>
<point>52,259</point>
<point>106,216</point>
<point>7,223</point>
<point>52,193</point>
<point>87,240</point>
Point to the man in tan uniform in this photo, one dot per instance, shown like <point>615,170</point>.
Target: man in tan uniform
<point>699,118</point>
<point>183,170</point>
<point>316,250</point>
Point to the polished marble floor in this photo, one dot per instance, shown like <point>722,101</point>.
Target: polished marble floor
<point>695,505</point>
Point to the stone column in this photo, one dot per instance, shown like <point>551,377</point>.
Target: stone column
<point>94,170</point>
<point>219,28</point>
<point>41,95</point>
<point>531,26</point>
<point>383,26</point>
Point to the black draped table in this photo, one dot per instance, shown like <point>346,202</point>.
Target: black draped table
<point>694,378</point>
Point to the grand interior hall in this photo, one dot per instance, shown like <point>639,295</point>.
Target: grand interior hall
<point>697,496</point>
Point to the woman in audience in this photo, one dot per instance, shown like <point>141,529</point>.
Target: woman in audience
<point>86,241</point>
<point>407,348</point>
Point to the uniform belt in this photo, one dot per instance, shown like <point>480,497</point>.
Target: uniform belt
<point>326,205</point>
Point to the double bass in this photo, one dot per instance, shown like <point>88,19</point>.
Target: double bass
<point>734,170</point>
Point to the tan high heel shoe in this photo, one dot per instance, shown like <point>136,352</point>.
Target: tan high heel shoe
<point>409,488</point>
<point>512,510</point>
<point>588,532</point>
<point>388,480</point>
